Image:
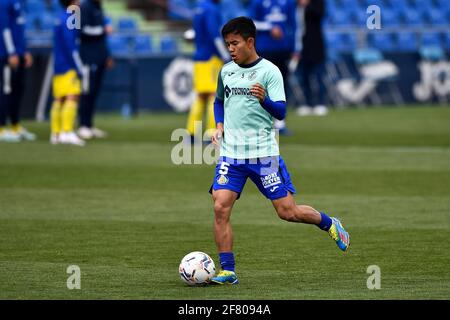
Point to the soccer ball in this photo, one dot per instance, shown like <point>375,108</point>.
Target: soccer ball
<point>197,268</point>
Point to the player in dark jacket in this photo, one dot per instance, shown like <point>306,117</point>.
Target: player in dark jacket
<point>96,56</point>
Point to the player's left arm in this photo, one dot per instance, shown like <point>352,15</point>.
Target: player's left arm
<point>276,108</point>
<point>272,99</point>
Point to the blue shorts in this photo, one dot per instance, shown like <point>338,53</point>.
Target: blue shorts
<point>269,174</point>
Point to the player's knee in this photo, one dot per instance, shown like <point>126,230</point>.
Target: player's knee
<point>221,211</point>
<point>220,208</point>
<point>285,212</point>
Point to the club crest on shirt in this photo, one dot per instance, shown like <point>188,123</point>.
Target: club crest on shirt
<point>252,75</point>
<point>222,180</point>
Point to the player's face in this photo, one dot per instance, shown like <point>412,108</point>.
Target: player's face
<point>239,48</point>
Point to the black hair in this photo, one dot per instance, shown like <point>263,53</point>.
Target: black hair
<point>241,25</point>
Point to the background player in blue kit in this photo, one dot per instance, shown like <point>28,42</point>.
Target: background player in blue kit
<point>276,24</point>
<point>250,94</point>
<point>14,58</point>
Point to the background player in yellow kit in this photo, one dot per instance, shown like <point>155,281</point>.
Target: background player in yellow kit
<point>68,70</point>
<point>210,52</point>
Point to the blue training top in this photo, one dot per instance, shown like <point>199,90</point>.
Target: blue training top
<point>207,23</point>
<point>12,28</point>
<point>65,45</point>
<point>269,13</point>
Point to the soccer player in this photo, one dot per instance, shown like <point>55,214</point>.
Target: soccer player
<point>13,60</point>
<point>276,23</point>
<point>313,55</point>
<point>68,70</point>
<point>250,94</point>
<point>210,52</point>
<point>95,54</point>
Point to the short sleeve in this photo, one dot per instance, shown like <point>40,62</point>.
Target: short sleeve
<point>275,85</point>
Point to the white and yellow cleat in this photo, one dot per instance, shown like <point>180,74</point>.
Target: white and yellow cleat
<point>10,136</point>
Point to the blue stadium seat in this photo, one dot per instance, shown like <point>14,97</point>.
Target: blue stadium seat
<point>431,39</point>
<point>119,44</point>
<point>349,4</point>
<point>422,5</point>
<point>168,44</point>
<point>331,5</point>
<point>382,41</point>
<point>360,15</point>
<point>341,42</point>
<point>127,24</point>
<point>406,41</point>
<point>442,4</point>
<point>413,17</point>
<point>399,5</point>
<point>437,17</point>
<point>142,44</point>
<point>340,17</point>
<point>390,17</point>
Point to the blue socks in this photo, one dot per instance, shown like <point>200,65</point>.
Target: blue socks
<point>227,261</point>
<point>325,223</point>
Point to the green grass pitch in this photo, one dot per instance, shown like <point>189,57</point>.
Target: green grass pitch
<point>122,212</point>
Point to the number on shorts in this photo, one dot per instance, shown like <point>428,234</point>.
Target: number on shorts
<point>224,168</point>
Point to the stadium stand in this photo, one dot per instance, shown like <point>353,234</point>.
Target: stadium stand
<point>147,28</point>
<point>343,16</point>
